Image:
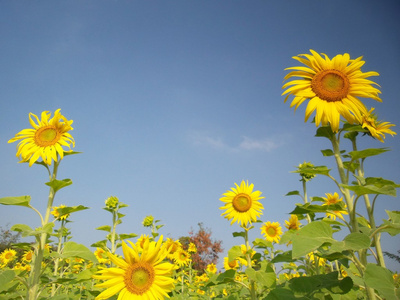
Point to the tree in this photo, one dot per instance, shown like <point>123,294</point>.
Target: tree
<point>7,238</point>
<point>207,249</point>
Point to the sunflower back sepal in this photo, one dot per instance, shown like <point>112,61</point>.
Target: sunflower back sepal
<point>325,131</point>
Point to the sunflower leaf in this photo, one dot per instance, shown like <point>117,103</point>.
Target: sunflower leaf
<point>70,209</point>
<point>20,201</point>
<point>380,279</point>
<point>59,184</point>
<point>72,249</point>
<point>367,152</point>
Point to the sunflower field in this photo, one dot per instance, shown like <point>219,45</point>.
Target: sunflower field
<point>314,264</point>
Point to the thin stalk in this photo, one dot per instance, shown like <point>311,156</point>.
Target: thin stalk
<point>370,210</point>
<point>34,277</point>
<point>252,287</point>
<point>305,197</point>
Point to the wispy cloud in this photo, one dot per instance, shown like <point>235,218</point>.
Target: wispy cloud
<point>246,143</point>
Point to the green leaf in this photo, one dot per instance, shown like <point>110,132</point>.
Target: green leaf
<point>354,241</point>
<point>330,281</point>
<point>297,193</point>
<point>72,249</point>
<point>324,131</point>
<point>104,228</point>
<point>6,277</point>
<point>59,184</point>
<point>367,152</point>
<point>360,190</point>
<point>124,236</point>
<point>283,257</point>
<point>227,276</point>
<point>311,208</point>
<point>327,152</point>
<point>380,279</point>
<point>236,234</point>
<point>70,209</point>
<point>316,170</point>
<point>66,153</point>
<point>310,237</point>
<point>23,228</point>
<point>393,224</point>
<point>262,243</point>
<point>234,252</point>
<point>20,201</point>
<point>281,293</point>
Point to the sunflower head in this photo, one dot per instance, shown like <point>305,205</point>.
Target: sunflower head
<point>144,275</point>
<point>332,87</point>
<point>182,257</point>
<point>212,268</point>
<point>272,231</point>
<point>46,140</point>
<point>334,199</point>
<point>376,129</point>
<point>293,223</point>
<point>56,213</point>
<point>242,204</point>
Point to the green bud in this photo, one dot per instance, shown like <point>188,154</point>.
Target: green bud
<point>148,221</point>
<point>112,202</point>
<point>304,175</point>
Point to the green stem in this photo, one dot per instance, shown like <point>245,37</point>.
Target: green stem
<point>34,276</point>
<point>370,210</point>
<point>306,198</point>
<point>252,287</point>
<point>344,180</point>
<point>113,232</point>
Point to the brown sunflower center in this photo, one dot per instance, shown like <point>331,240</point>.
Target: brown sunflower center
<point>47,136</point>
<point>271,231</point>
<point>139,277</point>
<point>232,264</point>
<point>330,85</point>
<point>242,202</point>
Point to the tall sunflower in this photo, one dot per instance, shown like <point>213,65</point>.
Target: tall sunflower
<point>332,86</point>
<point>145,276</point>
<point>242,204</point>
<point>46,139</point>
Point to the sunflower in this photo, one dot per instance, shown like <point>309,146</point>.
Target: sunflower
<point>332,85</point>
<point>46,139</point>
<point>192,248</point>
<point>231,265</point>
<point>272,231</point>
<point>377,129</point>
<point>334,199</point>
<point>144,276</point>
<point>242,205</point>
<point>56,213</point>
<point>8,255</point>
<point>182,257</point>
<point>171,247</point>
<point>101,256</point>
<point>212,268</point>
<point>293,223</point>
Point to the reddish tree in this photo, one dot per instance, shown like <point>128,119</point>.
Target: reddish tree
<point>207,249</point>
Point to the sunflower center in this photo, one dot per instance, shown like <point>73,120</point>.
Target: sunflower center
<point>47,136</point>
<point>8,255</point>
<point>271,231</point>
<point>139,277</point>
<point>242,202</point>
<point>232,264</point>
<point>330,85</point>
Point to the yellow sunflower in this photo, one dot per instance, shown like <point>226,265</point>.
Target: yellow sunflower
<point>272,231</point>
<point>333,87</point>
<point>8,255</point>
<point>101,256</point>
<point>56,213</point>
<point>212,268</point>
<point>145,276</point>
<point>171,247</point>
<point>46,139</point>
<point>331,200</point>
<point>377,129</point>
<point>293,223</point>
<point>242,204</point>
<point>192,248</point>
<point>231,265</point>
<point>182,257</point>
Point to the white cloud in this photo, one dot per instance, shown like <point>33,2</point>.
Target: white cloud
<point>247,144</point>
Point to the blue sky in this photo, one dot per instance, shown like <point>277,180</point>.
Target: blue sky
<point>175,101</point>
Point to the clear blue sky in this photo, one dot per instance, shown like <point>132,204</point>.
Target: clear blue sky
<point>174,101</point>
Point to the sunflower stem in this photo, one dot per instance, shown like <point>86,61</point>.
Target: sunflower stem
<point>252,287</point>
<point>370,210</point>
<point>34,276</point>
<point>305,197</point>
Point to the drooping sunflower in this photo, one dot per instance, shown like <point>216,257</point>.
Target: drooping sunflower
<point>272,231</point>
<point>242,204</point>
<point>335,199</point>
<point>376,129</point>
<point>145,276</point>
<point>293,223</point>
<point>332,86</point>
<point>46,139</point>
